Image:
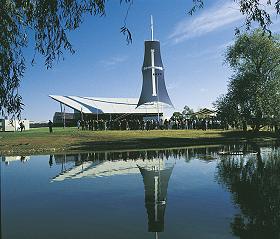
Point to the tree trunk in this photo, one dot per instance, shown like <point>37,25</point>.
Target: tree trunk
<point>277,130</point>
<point>244,125</point>
<point>257,128</point>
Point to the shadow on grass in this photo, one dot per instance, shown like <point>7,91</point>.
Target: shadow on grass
<point>231,137</point>
<point>247,134</point>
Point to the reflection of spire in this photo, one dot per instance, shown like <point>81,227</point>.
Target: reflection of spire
<point>156,180</point>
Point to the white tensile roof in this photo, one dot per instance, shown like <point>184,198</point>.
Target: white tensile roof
<point>93,105</point>
<point>109,168</point>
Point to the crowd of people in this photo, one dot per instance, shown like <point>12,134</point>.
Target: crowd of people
<point>136,124</point>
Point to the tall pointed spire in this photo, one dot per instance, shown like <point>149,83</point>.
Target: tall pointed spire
<point>153,88</point>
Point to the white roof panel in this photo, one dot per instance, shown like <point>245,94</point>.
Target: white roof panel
<point>109,168</point>
<point>106,105</point>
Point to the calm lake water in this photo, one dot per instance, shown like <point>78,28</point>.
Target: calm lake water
<point>176,193</point>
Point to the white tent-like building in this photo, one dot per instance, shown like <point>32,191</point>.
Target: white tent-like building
<point>106,108</point>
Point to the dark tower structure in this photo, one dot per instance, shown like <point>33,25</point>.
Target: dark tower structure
<point>156,183</point>
<point>153,88</point>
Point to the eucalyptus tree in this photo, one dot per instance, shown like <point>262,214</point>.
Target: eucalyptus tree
<point>48,22</point>
<point>228,111</point>
<point>177,116</point>
<point>187,112</point>
<point>253,93</point>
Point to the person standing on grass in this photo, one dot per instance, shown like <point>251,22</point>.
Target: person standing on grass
<point>22,127</point>
<point>50,124</point>
<point>78,124</point>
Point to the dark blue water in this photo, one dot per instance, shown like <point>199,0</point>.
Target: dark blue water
<point>179,193</point>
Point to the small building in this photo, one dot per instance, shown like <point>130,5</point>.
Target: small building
<point>205,114</point>
<point>13,125</point>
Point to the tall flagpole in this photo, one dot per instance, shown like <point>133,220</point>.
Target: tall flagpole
<point>64,118</point>
<point>157,99</point>
<point>152,28</point>
<point>61,113</point>
<point>156,76</point>
<point>82,116</point>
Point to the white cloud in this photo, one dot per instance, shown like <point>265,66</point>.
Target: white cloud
<point>214,52</point>
<point>203,90</point>
<point>208,21</point>
<point>112,61</point>
<point>172,85</point>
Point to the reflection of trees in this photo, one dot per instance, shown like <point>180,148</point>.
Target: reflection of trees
<point>255,185</point>
<point>204,153</point>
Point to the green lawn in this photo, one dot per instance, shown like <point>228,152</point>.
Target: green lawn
<point>71,139</point>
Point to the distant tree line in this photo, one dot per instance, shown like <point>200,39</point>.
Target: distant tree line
<point>204,119</point>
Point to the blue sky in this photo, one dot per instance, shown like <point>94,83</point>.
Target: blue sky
<point>105,66</point>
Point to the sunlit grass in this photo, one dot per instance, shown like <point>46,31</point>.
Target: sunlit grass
<point>40,140</point>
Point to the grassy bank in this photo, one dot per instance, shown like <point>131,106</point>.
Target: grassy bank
<point>38,141</point>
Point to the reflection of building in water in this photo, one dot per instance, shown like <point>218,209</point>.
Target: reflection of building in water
<point>155,172</point>
<point>98,168</point>
<point>8,159</point>
<point>98,164</point>
<point>156,180</point>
